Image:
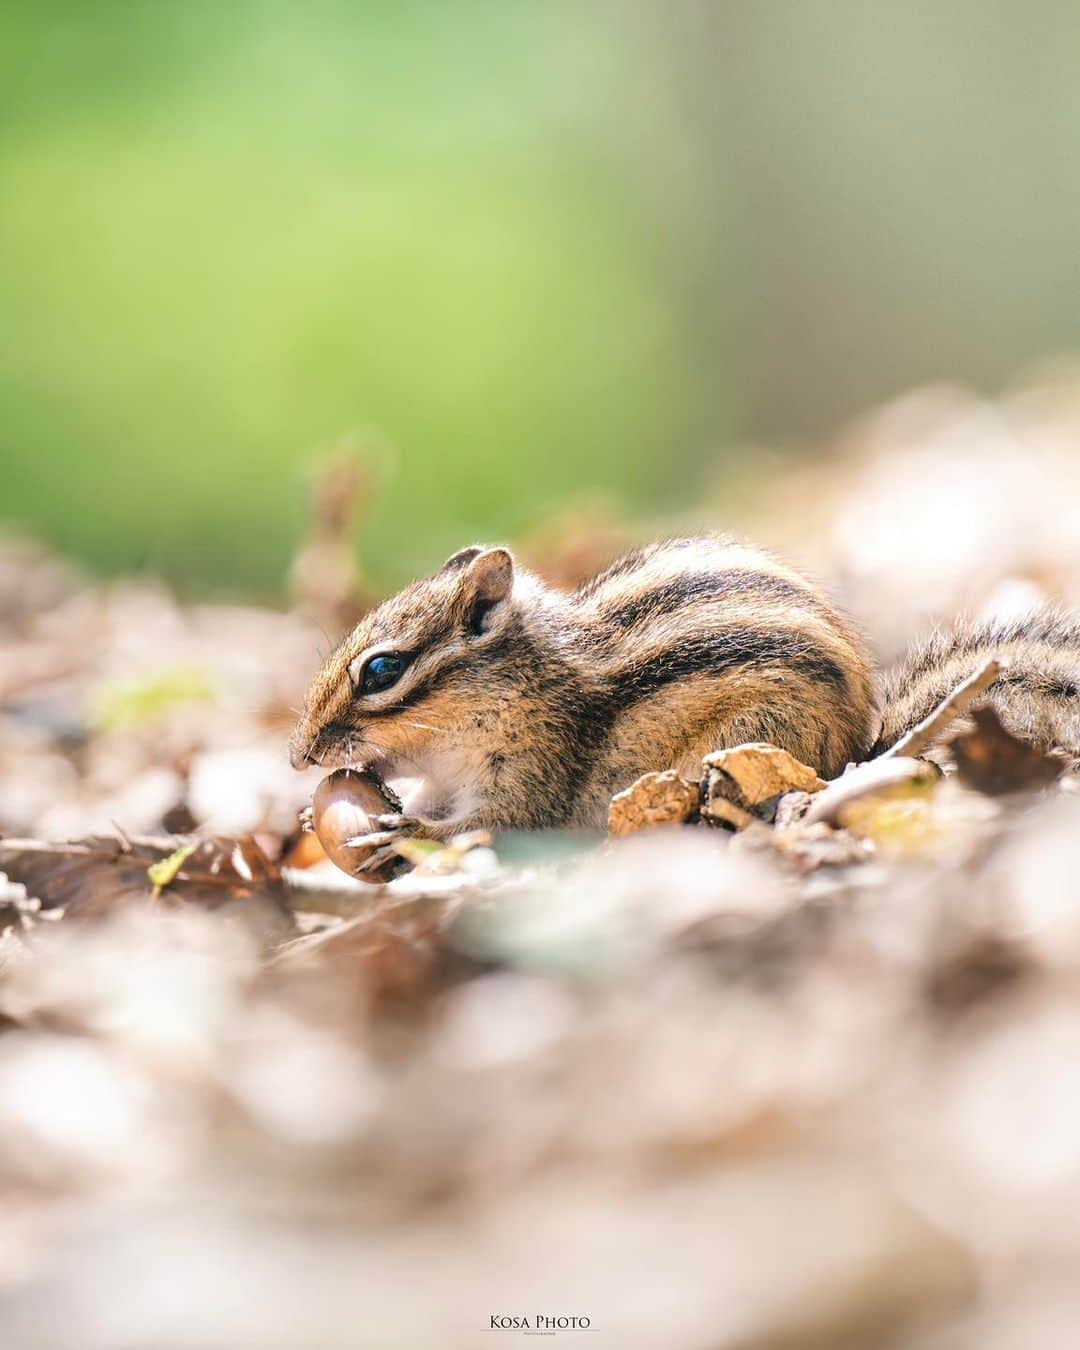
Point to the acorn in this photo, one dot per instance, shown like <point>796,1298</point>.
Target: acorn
<point>356,818</point>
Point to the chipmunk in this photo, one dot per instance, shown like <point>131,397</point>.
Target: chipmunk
<point>488,700</point>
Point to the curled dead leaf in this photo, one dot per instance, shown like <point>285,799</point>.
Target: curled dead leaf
<point>991,759</point>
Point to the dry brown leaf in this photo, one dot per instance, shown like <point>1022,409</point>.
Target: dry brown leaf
<point>991,759</point>
<point>92,877</point>
<point>655,799</point>
<point>304,850</point>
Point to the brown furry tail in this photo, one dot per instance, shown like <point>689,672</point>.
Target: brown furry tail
<point>1037,698</point>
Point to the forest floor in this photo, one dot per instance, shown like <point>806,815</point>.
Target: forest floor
<point>796,1084</point>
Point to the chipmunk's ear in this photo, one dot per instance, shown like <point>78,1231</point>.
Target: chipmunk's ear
<point>458,560</point>
<point>487,580</point>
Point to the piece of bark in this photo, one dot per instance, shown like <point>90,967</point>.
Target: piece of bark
<point>655,799</point>
<point>749,775</point>
<point>719,811</point>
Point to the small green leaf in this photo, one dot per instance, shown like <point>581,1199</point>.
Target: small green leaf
<point>164,873</point>
<point>417,851</point>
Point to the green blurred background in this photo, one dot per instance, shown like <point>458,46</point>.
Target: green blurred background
<point>521,252</point>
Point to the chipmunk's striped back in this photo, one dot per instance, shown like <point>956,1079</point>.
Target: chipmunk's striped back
<point>704,643</point>
<point>1037,697</point>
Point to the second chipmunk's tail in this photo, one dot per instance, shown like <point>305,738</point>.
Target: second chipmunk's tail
<point>1037,697</point>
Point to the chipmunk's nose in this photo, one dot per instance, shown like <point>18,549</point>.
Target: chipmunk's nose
<point>301,746</point>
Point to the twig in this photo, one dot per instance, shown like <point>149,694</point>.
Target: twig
<point>883,774</point>
<point>921,737</point>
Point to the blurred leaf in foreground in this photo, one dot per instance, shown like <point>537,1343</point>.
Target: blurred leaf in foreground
<point>93,877</point>
<point>121,704</point>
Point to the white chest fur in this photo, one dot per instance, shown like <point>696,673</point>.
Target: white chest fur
<point>440,787</point>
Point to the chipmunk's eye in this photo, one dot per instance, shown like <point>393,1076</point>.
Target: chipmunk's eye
<point>382,671</point>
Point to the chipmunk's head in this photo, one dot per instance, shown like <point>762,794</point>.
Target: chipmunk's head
<point>412,690</point>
